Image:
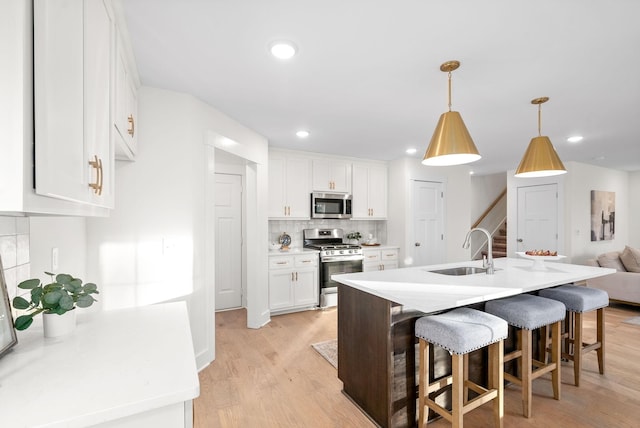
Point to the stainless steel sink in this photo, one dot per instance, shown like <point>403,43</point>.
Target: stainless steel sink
<point>461,270</point>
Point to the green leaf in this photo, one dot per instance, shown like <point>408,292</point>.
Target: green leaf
<point>20,303</point>
<point>85,301</point>
<point>53,286</point>
<point>63,278</point>
<point>53,297</point>
<point>23,322</point>
<point>77,282</point>
<point>29,284</point>
<point>66,302</point>
<point>71,288</point>
<point>57,310</point>
<point>36,295</point>
<point>90,287</point>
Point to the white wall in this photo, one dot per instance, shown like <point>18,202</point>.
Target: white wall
<point>68,234</point>
<point>456,210</point>
<point>581,179</point>
<point>484,190</point>
<point>634,209</point>
<point>156,245</point>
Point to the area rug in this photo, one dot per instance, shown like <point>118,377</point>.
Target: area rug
<point>329,350</point>
<point>634,320</point>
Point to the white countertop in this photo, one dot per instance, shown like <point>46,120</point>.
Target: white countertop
<point>379,247</point>
<point>115,364</point>
<point>292,252</point>
<point>417,288</point>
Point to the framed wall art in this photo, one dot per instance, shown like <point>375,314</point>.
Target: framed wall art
<point>603,215</point>
<point>8,336</point>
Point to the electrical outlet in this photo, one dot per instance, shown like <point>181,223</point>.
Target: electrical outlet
<point>54,259</point>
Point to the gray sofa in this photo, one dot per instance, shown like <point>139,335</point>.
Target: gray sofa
<point>623,286</point>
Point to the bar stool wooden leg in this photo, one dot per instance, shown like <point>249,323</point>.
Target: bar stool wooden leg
<point>577,347</point>
<point>496,380</point>
<point>555,358</point>
<point>423,383</point>
<point>600,339</point>
<point>525,363</point>
<point>457,390</point>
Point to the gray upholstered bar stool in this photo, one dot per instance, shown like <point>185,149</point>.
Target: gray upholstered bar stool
<point>578,300</point>
<point>461,331</point>
<point>528,313</point>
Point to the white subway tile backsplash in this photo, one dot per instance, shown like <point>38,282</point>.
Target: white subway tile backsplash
<point>22,225</point>
<point>294,228</point>
<point>8,251</point>
<point>8,225</point>
<point>14,250</point>
<point>22,249</point>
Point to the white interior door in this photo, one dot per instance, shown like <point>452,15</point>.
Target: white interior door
<point>228,232</point>
<point>428,221</point>
<point>538,218</point>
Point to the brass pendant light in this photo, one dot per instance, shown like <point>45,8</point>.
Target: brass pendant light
<point>540,159</point>
<point>451,143</point>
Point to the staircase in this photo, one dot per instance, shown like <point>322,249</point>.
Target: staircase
<point>499,243</point>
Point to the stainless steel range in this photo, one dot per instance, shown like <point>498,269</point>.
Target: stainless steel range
<point>336,257</point>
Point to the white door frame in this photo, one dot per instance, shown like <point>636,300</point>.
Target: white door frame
<point>513,184</point>
<point>410,246</point>
<point>238,170</point>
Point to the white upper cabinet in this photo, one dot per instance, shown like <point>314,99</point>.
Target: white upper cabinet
<point>289,190</point>
<point>125,106</point>
<point>331,175</point>
<point>72,78</point>
<point>369,191</point>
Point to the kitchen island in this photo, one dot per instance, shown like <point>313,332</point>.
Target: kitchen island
<point>377,358</point>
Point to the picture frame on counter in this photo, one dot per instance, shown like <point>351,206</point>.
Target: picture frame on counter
<point>8,336</point>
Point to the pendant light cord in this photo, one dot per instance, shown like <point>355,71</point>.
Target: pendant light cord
<point>449,91</point>
<point>539,119</point>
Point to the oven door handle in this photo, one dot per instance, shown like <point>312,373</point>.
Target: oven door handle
<point>331,259</point>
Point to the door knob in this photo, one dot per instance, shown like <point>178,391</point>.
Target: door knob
<point>519,239</point>
<point>417,244</point>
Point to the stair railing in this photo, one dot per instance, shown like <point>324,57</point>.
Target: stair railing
<point>491,219</point>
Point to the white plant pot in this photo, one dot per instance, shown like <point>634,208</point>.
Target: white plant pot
<point>59,325</point>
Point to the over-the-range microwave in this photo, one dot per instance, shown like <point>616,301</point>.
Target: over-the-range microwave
<point>330,205</point>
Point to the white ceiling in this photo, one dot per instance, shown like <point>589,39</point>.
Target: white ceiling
<point>366,81</point>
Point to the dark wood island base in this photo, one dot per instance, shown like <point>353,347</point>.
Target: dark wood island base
<point>378,358</point>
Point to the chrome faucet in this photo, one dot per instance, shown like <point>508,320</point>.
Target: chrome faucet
<point>488,264</point>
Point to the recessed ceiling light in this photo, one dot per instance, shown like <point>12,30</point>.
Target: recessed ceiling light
<point>575,138</point>
<point>471,172</point>
<point>411,151</point>
<point>302,134</point>
<point>283,50</point>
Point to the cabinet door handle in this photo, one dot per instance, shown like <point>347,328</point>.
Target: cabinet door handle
<point>281,263</point>
<point>292,277</point>
<point>285,210</point>
<point>132,125</point>
<point>296,276</point>
<point>306,261</point>
<point>97,186</point>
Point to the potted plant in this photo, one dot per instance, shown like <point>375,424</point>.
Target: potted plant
<point>354,236</point>
<point>54,300</point>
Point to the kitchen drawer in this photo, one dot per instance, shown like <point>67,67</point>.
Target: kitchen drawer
<point>285,262</point>
<point>371,256</point>
<point>306,260</point>
<point>389,254</point>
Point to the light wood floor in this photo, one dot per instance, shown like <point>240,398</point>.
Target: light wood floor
<point>271,377</point>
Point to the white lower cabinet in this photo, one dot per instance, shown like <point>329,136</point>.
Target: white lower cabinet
<point>379,259</point>
<point>293,282</point>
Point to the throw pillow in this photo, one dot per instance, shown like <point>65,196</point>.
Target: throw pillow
<point>631,259</point>
<point>611,260</point>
